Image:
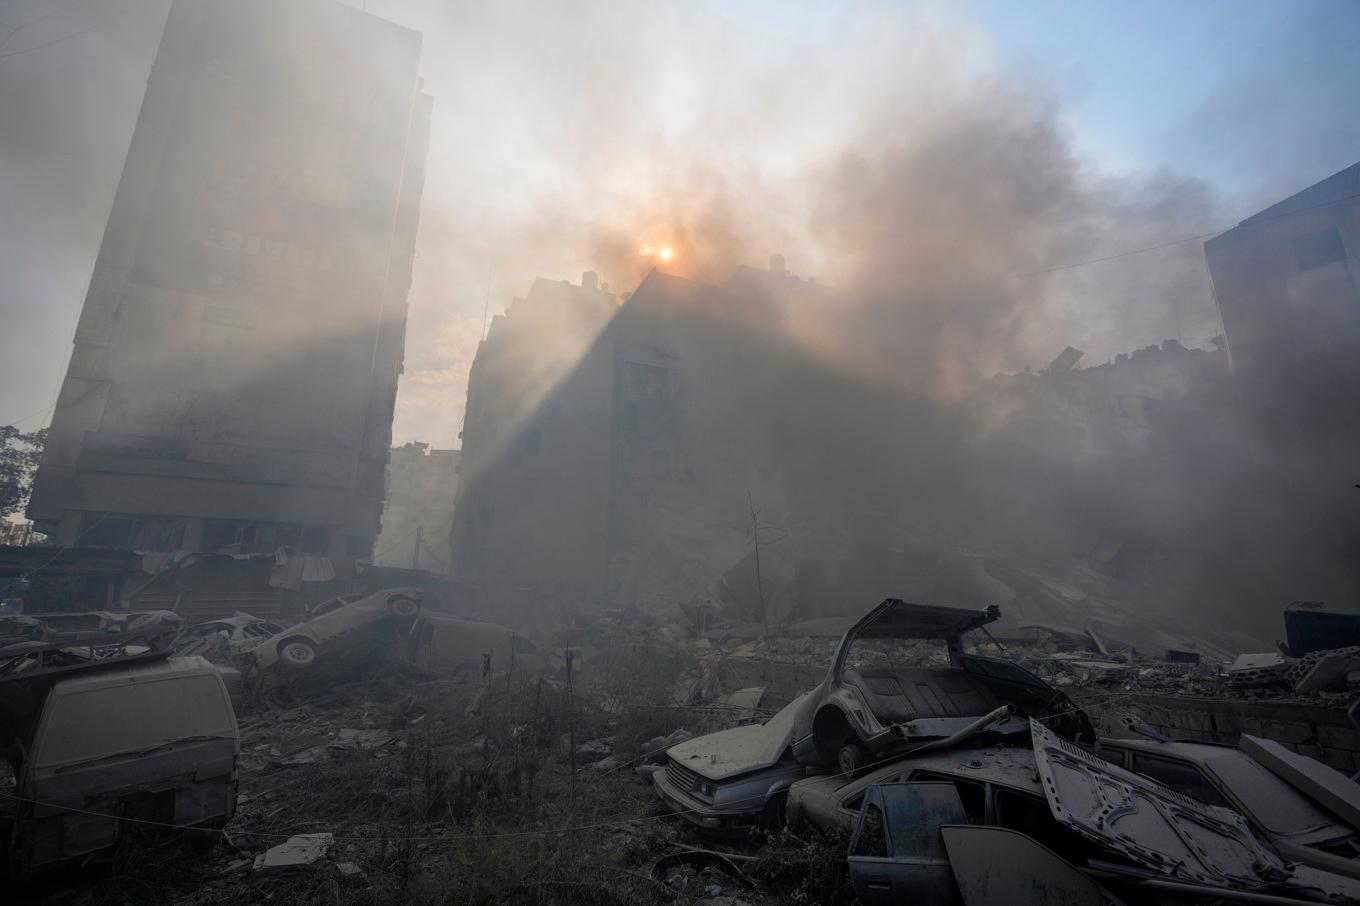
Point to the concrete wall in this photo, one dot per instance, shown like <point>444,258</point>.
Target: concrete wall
<point>1317,731</point>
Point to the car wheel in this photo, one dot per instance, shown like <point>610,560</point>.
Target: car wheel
<point>297,653</point>
<point>403,607</point>
<point>851,759</point>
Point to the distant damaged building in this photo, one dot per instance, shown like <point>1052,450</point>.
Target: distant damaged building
<point>235,363</point>
<point>421,486</point>
<point>1287,283</point>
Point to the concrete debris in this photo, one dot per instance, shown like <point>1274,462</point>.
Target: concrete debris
<point>594,750</point>
<point>295,852</point>
<point>710,874</point>
<point>1268,669</point>
<point>1325,785</point>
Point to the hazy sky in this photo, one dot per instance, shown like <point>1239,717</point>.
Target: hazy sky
<point>567,136</point>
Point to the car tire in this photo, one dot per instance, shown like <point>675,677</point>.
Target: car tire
<point>296,653</point>
<point>403,607</point>
<point>850,759</point>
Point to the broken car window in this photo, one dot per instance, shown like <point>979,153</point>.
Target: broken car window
<point>873,839</point>
<point>1181,777</point>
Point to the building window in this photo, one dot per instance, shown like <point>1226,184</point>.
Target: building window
<point>1318,249</point>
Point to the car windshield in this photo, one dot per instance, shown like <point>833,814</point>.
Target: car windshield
<point>1275,805</point>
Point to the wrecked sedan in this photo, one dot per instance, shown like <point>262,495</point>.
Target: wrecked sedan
<point>1297,827</point>
<point>236,634</point>
<point>997,785</point>
<point>452,645</point>
<point>734,781</point>
<point>881,695</point>
<point>334,625</point>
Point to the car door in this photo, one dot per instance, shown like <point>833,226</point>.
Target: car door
<point>896,853</point>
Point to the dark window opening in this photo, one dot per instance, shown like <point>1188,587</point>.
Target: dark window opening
<point>1318,249</point>
<point>1182,777</point>
<point>972,795</point>
<point>873,839</point>
<point>129,531</point>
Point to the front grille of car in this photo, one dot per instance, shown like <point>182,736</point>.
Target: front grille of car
<point>682,778</point>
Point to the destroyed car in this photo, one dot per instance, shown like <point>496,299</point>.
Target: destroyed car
<point>734,781</point>
<point>1297,828</point>
<point>108,746</point>
<point>1164,833</point>
<point>443,644</point>
<point>881,697</point>
<point>235,634</point>
<point>334,625</point>
<point>997,785</point>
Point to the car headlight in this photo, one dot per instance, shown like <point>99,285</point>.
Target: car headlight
<point>706,790</point>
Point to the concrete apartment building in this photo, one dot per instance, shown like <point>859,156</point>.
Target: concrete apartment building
<point>1287,283</point>
<point>236,360</point>
<point>603,467</point>
<point>421,487</point>
<point>533,487</point>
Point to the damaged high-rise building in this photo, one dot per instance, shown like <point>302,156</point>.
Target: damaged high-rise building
<point>235,364</point>
<point>1287,283</point>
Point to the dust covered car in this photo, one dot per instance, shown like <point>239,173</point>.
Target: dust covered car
<point>102,748</point>
<point>335,625</point>
<point>1299,828</point>
<point>236,634</point>
<point>734,781</point>
<point>900,679</point>
<point>451,645</point>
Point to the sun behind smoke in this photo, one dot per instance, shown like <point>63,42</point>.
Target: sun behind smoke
<point>663,253</point>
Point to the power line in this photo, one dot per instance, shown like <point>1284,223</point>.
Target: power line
<point>75,34</point>
<point>1169,244</point>
<point>26,23</point>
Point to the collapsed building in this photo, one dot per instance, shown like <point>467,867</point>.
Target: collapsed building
<point>694,457</point>
<point>690,449</point>
<point>235,363</point>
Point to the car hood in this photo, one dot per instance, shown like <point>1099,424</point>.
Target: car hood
<point>740,750</point>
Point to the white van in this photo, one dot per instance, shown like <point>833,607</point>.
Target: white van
<point>112,749</point>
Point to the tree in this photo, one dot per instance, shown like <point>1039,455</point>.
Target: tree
<point>19,454</point>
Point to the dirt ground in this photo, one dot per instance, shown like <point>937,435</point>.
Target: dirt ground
<point>458,791</point>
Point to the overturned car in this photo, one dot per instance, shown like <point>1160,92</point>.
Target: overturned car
<point>900,680</point>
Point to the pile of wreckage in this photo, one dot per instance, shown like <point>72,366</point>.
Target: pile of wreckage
<point>115,718</point>
<point>941,758</point>
<point>963,777</point>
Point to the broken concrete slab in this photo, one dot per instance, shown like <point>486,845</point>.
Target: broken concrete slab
<point>295,852</point>
<point>1327,786</point>
<point>594,750</point>
<point>1328,674</point>
<point>1262,669</point>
